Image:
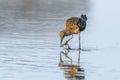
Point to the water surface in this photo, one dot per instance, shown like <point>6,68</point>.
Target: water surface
<point>29,41</point>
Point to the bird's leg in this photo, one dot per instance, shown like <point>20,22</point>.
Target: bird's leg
<point>66,43</point>
<point>79,42</point>
<point>61,58</point>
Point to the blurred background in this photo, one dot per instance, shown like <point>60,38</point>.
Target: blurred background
<point>42,8</point>
<point>29,40</point>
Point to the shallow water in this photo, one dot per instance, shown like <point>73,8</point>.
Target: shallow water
<point>29,41</point>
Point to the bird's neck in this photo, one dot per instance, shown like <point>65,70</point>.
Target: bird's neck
<point>82,24</point>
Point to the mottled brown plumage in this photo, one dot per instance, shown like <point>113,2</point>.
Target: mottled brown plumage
<point>73,25</point>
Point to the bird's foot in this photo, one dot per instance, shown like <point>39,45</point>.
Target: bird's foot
<point>79,48</point>
<point>69,47</point>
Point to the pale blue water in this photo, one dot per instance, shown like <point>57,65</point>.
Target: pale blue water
<point>29,41</point>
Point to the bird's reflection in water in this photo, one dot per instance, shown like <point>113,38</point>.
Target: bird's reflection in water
<point>71,71</point>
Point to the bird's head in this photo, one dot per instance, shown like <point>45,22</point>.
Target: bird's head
<point>82,22</point>
<point>84,17</point>
<point>62,35</point>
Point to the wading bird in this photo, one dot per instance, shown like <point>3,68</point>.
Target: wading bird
<point>73,25</point>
